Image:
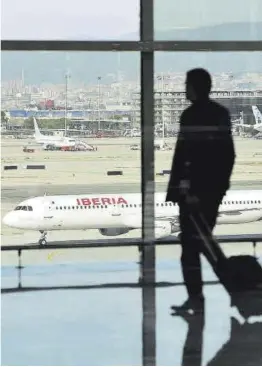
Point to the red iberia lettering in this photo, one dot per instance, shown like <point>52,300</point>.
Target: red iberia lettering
<point>96,201</point>
<point>105,201</point>
<point>121,201</point>
<point>86,202</point>
<point>101,201</point>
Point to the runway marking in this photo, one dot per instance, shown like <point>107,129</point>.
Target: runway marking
<point>52,254</point>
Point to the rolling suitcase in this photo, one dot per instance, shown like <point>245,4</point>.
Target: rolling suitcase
<point>237,274</point>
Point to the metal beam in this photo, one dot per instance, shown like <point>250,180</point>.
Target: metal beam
<point>145,45</point>
<point>130,242</point>
<point>148,186</point>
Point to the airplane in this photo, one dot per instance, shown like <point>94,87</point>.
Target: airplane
<point>258,119</point>
<point>257,127</point>
<point>58,141</point>
<point>114,215</point>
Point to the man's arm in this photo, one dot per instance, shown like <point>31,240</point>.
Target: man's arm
<point>176,168</point>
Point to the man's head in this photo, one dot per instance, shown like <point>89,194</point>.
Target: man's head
<point>198,84</point>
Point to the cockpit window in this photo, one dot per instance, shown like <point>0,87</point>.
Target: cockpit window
<point>24,208</point>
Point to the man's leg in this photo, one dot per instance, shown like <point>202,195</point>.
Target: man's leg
<point>191,266</point>
<point>190,258</point>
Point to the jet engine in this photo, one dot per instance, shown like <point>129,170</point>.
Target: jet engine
<point>165,229</point>
<point>113,231</point>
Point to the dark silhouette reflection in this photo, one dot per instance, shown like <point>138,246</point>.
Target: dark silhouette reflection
<point>244,347</point>
<point>23,289</point>
<point>192,353</point>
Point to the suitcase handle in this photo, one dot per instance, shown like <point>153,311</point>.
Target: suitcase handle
<point>203,236</point>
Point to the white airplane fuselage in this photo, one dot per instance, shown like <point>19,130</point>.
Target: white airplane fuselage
<point>55,140</point>
<point>58,141</point>
<point>121,212</point>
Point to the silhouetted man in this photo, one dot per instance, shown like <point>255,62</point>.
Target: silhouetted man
<point>200,176</point>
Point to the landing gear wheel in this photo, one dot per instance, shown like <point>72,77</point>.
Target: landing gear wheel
<point>42,242</point>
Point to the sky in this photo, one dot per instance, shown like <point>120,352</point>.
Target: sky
<point>113,19</point>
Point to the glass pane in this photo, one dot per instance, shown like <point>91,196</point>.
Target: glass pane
<point>89,95</point>
<point>237,84</point>
<point>80,330</point>
<point>208,20</point>
<point>70,20</point>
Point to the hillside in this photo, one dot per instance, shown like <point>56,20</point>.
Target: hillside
<point>50,66</point>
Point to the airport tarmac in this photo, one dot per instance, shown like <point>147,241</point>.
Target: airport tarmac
<point>85,173</point>
<point>91,167</point>
<point>16,194</point>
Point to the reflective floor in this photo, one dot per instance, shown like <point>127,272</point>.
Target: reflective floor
<point>83,321</point>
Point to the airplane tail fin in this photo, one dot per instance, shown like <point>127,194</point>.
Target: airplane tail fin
<point>257,115</point>
<point>241,120</point>
<point>37,131</point>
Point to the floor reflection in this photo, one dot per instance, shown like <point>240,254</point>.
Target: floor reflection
<point>84,315</point>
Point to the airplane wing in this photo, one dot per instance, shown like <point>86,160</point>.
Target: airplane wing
<point>164,225</point>
<point>135,221</point>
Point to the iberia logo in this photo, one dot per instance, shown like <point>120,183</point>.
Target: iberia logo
<point>101,201</point>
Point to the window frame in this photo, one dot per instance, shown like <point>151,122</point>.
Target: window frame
<point>147,47</point>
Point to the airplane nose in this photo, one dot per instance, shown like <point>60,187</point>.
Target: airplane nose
<point>9,219</point>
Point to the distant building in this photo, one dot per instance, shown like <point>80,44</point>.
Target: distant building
<point>170,104</point>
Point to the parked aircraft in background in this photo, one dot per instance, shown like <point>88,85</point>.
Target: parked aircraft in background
<point>57,140</point>
<point>257,127</point>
